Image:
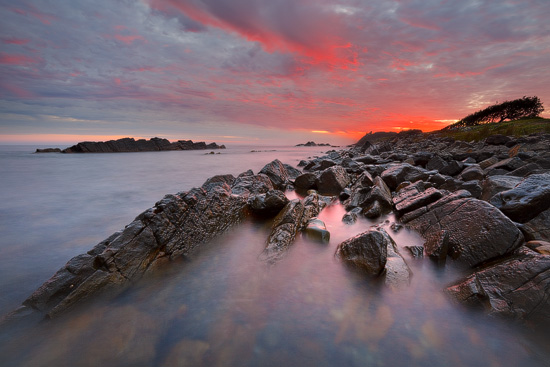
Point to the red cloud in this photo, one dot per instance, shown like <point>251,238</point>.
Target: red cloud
<point>311,29</point>
<point>11,59</point>
<point>15,41</point>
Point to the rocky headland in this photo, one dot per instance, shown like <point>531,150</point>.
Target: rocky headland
<point>483,206</point>
<point>313,144</point>
<point>126,145</point>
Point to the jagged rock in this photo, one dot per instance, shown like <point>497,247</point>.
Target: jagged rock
<point>288,223</point>
<point>316,230</point>
<point>450,168</point>
<point>366,159</point>
<point>526,200</point>
<point>292,172</point>
<point>172,228</point>
<point>378,200</point>
<point>367,251</point>
<point>518,287</point>
<point>473,172</point>
<point>333,180</point>
<point>437,245</point>
<point>306,181</point>
<point>277,173</point>
<point>477,231</point>
<point>218,180</point>
<point>422,158</point>
<point>393,176</point>
<point>268,204</point>
<point>492,185</point>
<point>525,170</point>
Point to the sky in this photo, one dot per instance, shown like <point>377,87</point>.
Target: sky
<point>262,71</point>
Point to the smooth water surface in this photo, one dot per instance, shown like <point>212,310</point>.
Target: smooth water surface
<point>225,307</point>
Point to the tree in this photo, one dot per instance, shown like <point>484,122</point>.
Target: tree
<point>509,110</point>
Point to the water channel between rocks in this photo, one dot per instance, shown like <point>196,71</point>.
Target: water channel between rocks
<point>224,307</point>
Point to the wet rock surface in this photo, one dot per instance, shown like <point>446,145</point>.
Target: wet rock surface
<point>367,251</point>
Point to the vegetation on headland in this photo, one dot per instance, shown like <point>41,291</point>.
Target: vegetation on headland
<point>526,107</point>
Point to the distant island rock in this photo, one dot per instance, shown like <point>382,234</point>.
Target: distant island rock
<point>313,144</point>
<point>131,145</point>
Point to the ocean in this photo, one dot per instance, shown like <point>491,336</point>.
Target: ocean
<point>222,306</point>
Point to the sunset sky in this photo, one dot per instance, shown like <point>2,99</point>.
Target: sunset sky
<point>262,71</point>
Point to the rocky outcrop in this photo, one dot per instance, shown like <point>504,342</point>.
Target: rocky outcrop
<point>48,150</point>
<point>517,287</point>
<point>171,229</point>
<point>313,144</point>
<point>288,223</point>
<point>141,145</point>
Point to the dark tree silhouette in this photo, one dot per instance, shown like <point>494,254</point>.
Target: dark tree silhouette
<point>509,110</point>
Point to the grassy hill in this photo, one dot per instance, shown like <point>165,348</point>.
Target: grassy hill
<point>511,128</point>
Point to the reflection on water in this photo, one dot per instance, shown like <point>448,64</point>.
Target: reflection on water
<point>224,307</point>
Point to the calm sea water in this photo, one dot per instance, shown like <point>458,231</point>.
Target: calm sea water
<point>223,307</point>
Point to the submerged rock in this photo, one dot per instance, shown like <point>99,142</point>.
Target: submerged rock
<point>316,230</point>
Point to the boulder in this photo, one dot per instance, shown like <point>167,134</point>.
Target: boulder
<point>518,287</point>
<point>488,162</point>
<point>470,173</point>
<point>397,273</point>
<point>306,181</point>
<point>497,139</point>
<point>526,200</point>
<point>508,164</point>
<point>367,251</point>
<point>394,175</point>
<point>477,231</point>
<point>316,230</point>
<point>351,216</point>
<point>378,200</point>
<point>333,180</point>
<point>268,204</point>
<point>492,185</point>
<point>277,173</point>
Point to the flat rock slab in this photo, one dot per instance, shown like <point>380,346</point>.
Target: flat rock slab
<point>477,230</point>
<point>418,200</point>
<point>518,287</point>
<point>526,200</point>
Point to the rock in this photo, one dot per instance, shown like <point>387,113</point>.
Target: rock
<point>526,200</point>
<point>542,247</point>
<point>317,231</point>
<point>351,216</point>
<point>525,170</point>
<point>333,180</point>
<point>497,139</point>
<point>367,251</point>
<point>393,176</point>
<point>437,245</point>
<point>277,173</point>
<point>288,223</point>
<point>537,228</point>
<point>306,181</point>
<point>268,204</point>
<point>492,185</point>
<point>141,145</point>
<point>48,150</point>
<point>473,172</point>
<point>488,162</point>
<point>508,164</point>
<point>518,287</point>
<point>418,200</point>
<point>218,180</point>
<point>292,172</point>
<point>154,237</point>
<point>416,251</point>
<point>397,272</point>
<point>477,231</point>
<point>422,158</point>
<point>366,159</point>
<point>378,200</point>
<point>474,187</point>
<point>442,166</point>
